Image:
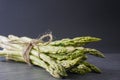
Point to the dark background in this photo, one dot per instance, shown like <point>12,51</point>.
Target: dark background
<point>65,18</point>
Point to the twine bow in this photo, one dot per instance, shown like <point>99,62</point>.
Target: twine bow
<point>26,52</point>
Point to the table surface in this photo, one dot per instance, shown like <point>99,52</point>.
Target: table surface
<point>110,67</point>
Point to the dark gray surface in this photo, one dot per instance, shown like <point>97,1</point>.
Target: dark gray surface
<point>20,71</point>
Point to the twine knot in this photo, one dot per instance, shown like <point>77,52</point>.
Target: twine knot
<point>34,42</point>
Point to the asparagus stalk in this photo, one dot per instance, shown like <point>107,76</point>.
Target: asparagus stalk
<point>92,67</point>
<point>78,41</point>
<point>81,69</point>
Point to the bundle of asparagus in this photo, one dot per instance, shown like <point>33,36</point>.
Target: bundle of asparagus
<point>57,57</point>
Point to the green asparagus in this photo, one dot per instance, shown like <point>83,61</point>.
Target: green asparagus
<point>56,57</point>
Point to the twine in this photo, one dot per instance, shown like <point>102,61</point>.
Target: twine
<point>26,52</point>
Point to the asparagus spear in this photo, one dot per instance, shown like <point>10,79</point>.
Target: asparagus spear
<point>84,68</point>
<point>81,69</point>
<point>78,41</point>
<point>72,54</point>
<point>92,67</point>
